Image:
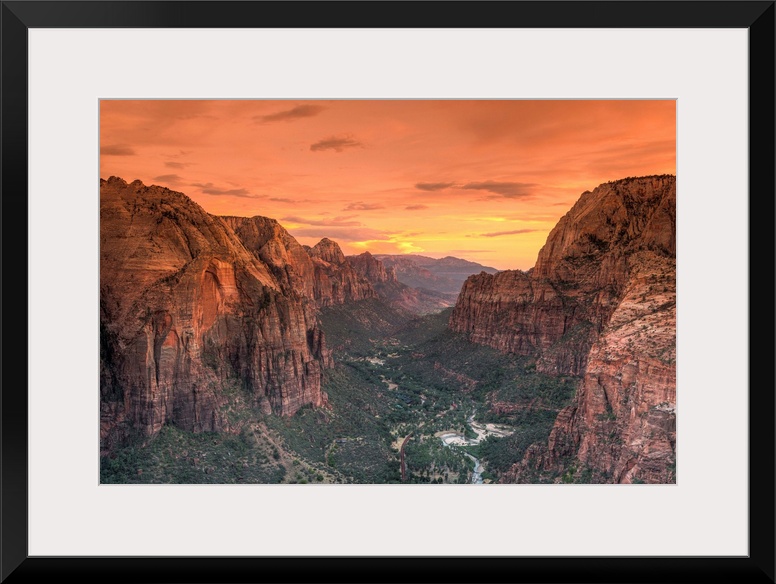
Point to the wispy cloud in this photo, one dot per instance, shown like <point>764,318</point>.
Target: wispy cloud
<point>416,207</point>
<point>173,164</point>
<point>291,201</point>
<point>359,206</point>
<point>510,190</point>
<point>117,150</point>
<point>500,233</point>
<point>433,186</point>
<point>180,153</point>
<point>289,115</point>
<point>170,179</point>
<point>342,221</point>
<point>336,143</point>
<point>211,189</point>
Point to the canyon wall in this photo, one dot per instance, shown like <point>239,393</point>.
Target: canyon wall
<point>320,273</point>
<point>186,310</point>
<point>599,303</point>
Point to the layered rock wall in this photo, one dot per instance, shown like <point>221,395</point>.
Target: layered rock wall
<point>599,303</point>
<point>186,309</point>
<point>556,310</point>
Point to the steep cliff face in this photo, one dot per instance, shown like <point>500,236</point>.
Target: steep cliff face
<point>600,303</point>
<point>319,273</point>
<point>336,280</point>
<point>515,313</point>
<point>556,310</point>
<point>621,426</point>
<point>372,269</point>
<point>185,308</point>
<point>278,250</point>
<point>623,421</point>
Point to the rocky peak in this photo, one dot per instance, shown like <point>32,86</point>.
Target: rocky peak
<point>554,311</point>
<point>328,251</point>
<point>371,268</point>
<point>616,218</point>
<point>114,181</point>
<point>274,246</point>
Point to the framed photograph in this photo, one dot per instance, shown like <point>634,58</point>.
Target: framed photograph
<point>341,291</point>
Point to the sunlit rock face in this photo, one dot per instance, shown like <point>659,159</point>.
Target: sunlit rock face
<point>319,273</point>
<point>600,303</point>
<point>186,307</point>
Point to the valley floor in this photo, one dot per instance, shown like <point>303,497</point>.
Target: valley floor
<point>397,385</point>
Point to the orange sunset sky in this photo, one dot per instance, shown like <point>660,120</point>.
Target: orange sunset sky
<point>480,180</point>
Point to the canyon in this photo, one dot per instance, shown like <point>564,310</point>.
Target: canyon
<point>228,326</point>
<point>191,303</point>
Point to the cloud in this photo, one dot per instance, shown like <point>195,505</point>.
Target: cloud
<point>500,233</point>
<point>342,221</point>
<point>172,164</point>
<point>291,201</point>
<point>289,115</point>
<point>510,190</point>
<point>338,144</point>
<point>340,234</point>
<point>436,186</point>
<point>211,189</point>
<point>359,206</point>
<point>171,179</point>
<point>180,153</point>
<point>116,150</point>
<point>416,207</point>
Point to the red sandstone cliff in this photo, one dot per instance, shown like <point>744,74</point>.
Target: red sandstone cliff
<point>600,303</point>
<point>623,422</point>
<point>337,281</point>
<point>185,307</point>
<point>320,273</point>
<point>556,310</point>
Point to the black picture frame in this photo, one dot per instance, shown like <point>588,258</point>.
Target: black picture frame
<point>19,16</point>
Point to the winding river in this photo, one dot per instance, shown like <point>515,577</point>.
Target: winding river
<point>482,431</point>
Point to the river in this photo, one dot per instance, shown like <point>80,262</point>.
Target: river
<point>482,431</point>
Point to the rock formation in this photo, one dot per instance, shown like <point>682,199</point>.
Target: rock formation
<point>623,421</point>
<point>337,281</point>
<point>186,308</point>
<point>599,303</point>
<point>320,273</point>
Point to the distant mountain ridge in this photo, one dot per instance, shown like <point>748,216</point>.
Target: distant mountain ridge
<point>445,275</point>
<point>396,293</point>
